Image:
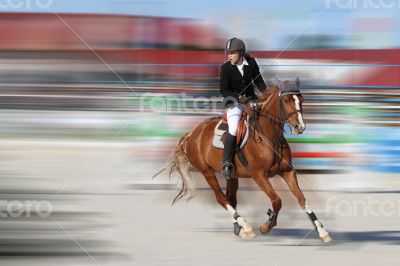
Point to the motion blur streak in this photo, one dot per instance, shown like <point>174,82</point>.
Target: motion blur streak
<point>61,106</point>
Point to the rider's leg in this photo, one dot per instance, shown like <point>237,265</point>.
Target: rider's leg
<point>233,117</point>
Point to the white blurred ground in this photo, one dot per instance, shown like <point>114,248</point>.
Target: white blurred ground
<point>120,216</point>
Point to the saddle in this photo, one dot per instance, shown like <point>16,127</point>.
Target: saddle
<point>242,134</point>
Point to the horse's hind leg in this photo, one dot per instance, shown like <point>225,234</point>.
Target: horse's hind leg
<point>291,180</point>
<point>244,229</point>
<point>276,201</point>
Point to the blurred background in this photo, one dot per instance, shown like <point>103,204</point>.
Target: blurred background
<point>95,95</point>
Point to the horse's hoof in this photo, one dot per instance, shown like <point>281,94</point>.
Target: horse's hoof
<point>326,239</point>
<point>265,229</point>
<point>251,234</point>
<point>247,234</point>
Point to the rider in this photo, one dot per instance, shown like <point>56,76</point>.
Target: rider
<point>236,78</point>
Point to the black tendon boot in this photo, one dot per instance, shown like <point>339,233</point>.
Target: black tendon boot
<point>229,151</point>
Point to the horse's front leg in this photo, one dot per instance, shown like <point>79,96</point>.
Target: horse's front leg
<point>276,201</point>
<point>291,180</point>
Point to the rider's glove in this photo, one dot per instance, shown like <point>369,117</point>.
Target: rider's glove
<point>252,104</point>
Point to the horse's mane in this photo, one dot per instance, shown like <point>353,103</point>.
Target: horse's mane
<point>268,94</point>
<point>271,91</point>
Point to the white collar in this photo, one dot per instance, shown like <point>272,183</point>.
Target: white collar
<point>243,63</point>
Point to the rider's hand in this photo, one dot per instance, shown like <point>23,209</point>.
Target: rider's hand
<point>244,100</point>
<point>252,104</point>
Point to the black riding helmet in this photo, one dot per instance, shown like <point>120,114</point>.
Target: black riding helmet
<point>235,44</point>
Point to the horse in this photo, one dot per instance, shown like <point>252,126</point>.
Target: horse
<point>267,152</point>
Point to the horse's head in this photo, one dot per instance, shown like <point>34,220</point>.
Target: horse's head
<point>290,104</point>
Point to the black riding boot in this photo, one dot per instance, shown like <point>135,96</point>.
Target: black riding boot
<point>229,151</point>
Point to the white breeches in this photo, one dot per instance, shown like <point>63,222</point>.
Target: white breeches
<point>233,116</point>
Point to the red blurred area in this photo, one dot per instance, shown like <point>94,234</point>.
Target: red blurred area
<point>190,48</point>
<point>41,31</point>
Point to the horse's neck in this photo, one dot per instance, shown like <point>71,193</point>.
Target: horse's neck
<point>273,105</point>
<point>272,108</point>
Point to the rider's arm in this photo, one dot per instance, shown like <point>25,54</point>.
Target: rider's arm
<point>225,86</point>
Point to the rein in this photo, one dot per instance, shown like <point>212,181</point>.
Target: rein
<point>275,122</point>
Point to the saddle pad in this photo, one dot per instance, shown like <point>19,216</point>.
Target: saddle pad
<point>221,128</point>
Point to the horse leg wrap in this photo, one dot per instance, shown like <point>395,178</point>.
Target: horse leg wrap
<point>314,219</point>
<point>271,217</point>
<point>236,228</point>
<point>236,225</point>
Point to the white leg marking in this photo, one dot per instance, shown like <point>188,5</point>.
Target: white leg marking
<point>247,230</point>
<point>307,208</point>
<point>230,209</point>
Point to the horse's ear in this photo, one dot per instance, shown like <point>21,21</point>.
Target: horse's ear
<point>297,82</point>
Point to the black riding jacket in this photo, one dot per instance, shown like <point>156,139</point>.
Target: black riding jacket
<point>233,84</point>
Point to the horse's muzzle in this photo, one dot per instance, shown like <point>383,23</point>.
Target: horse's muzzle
<point>297,129</point>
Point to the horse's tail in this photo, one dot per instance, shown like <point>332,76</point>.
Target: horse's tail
<point>180,163</point>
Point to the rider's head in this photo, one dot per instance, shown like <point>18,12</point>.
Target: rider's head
<point>235,48</point>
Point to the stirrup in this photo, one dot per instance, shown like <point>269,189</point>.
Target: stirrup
<point>227,170</point>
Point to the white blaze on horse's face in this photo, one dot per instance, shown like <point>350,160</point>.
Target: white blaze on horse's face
<point>301,126</point>
<point>293,113</point>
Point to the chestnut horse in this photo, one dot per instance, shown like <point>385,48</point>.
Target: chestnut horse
<point>267,152</point>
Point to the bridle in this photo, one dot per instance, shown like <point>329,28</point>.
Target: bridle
<point>274,121</point>
<point>282,116</point>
